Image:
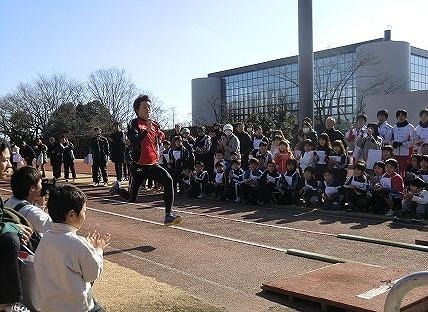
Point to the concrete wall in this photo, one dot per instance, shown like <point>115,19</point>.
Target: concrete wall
<point>412,102</point>
<point>206,100</point>
<point>387,67</point>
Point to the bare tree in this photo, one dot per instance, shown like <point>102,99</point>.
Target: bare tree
<point>115,90</point>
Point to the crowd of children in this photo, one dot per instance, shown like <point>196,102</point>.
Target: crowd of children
<point>387,172</point>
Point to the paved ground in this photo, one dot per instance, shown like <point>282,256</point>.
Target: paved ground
<point>223,252</point>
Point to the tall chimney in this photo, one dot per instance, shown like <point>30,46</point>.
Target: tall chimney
<point>387,35</point>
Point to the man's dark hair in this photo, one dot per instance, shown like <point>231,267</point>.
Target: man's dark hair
<point>401,112</point>
<point>423,112</point>
<point>309,169</point>
<point>22,180</point>
<point>3,145</point>
<point>139,99</point>
<point>360,165</point>
<point>379,164</point>
<point>62,199</point>
<point>382,112</point>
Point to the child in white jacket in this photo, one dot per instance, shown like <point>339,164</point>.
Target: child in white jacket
<point>416,198</point>
<point>66,264</point>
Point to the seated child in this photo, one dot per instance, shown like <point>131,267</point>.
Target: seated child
<point>66,264</point>
<point>322,152</point>
<point>338,161</point>
<point>218,158</point>
<point>288,184</point>
<point>284,153</point>
<point>310,188</point>
<point>423,171</point>
<point>356,188</point>
<point>331,197</point>
<point>219,183</point>
<point>186,181</point>
<point>415,199</point>
<point>262,155</point>
<point>268,183</point>
<point>235,177</point>
<point>411,171</point>
<point>248,189</point>
<point>199,182</point>
<point>387,152</point>
<point>378,172</point>
<point>390,188</point>
<point>307,158</point>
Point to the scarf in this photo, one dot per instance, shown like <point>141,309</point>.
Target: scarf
<point>402,124</point>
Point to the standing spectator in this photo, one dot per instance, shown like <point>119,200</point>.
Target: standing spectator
<point>323,150</point>
<point>177,131</point>
<point>385,129</point>
<point>309,132</point>
<point>403,136</point>
<point>245,144</point>
<point>421,131</point>
<point>117,146</point>
<point>27,153</point>
<point>230,143</point>
<point>258,138</point>
<point>68,158</point>
<point>16,157</point>
<point>188,140</point>
<point>41,150</point>
<point>99,148</point>
<point>359,130</point>
<point>333,133</point>
<point>338,161</point>
<point>12,235</point>
<point>56,152</point>
<point>202,149</point>
<point>371,140</point>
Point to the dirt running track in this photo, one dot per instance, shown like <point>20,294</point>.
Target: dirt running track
<point>223,252</point>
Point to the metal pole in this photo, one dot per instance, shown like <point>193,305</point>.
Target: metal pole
<point>306,61</point>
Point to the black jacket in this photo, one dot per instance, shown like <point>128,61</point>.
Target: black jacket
<point>99,148</point>
<point>246,143</point>
<point>117,146</point>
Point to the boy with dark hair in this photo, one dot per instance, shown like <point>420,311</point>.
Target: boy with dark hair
<point>26,184</point>
<point>330,191</point>
<point>262,155</point>
<point>144,135</point>
<point>391,187</point>
<point>248,189</point>
<point>387,152</point>
<point>423,171</point>
<point>100,150</point>
<point>288,184</point>
<point>356,188</point>
<point>403,136</point>
<point>421,130</point>
<point>179,159</point>
<point>66,264</point>
<point>268,183</point>
<point>235,177</point>
<point>416,198</point>
<point>310,188</point>
<point>199,181</point>
<point>220,181</point>
<point>384,128</point>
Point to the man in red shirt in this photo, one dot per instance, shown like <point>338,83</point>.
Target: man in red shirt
<point>145,135</point>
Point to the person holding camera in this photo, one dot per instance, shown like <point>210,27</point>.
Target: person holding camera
<point>12,235</point>
<point>28,196</point>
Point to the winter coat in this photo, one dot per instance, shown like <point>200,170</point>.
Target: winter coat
<point>117,146</point>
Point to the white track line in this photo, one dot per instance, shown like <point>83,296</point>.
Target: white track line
<point>178,271</point>
<point>217,217</point>
<point>192,231</point>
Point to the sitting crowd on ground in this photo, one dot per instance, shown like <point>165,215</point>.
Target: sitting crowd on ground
<point>375,167</point>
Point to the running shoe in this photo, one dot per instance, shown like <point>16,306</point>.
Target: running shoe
<point>115,188</point>
<point>16,307</point>
<point>172,220</point>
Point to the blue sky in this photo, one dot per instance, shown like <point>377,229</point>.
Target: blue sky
<point>165,44</point>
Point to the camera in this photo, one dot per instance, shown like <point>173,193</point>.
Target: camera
<point>47,185</point>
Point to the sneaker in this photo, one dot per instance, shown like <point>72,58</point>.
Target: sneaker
<point>105,184</point>
<point>202,196</point>
<point>172,220</point>
<point>238,200</point>
<point>115,188</point>
<point>15,307</point>
<point>419,217</point>
<point>96,184</point>
<point>390,213</point>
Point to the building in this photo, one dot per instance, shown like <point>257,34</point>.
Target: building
<point>344,79</point>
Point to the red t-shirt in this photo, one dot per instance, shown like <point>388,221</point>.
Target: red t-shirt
<point>149,145</point>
